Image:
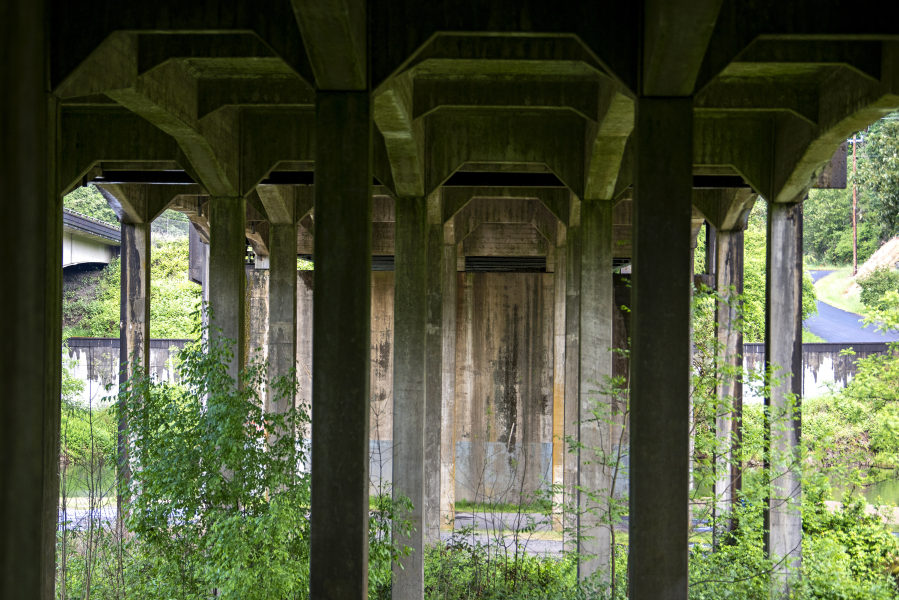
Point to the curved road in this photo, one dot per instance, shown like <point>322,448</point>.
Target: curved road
<point>839,326</point>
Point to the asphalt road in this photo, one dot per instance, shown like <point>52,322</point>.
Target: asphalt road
<point>840,326</point>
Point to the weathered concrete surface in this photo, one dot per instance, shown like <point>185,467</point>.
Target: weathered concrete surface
<point>227,277</point>
<point>600,416</point>
<point>282,307</point>
<point>728,272</point>
<point>340,346</point>
<point>783,353</point>
<point>448,393</point>
<point>433,417</point>
<point>409,388</point>
<point>822,364</point>
<point>503,385</point>
<point>560,274</point>
<point>134,326</point>
<point>659,356</point>
<point>31,318</point>
<point>256,320</point>
<point>572,353</point>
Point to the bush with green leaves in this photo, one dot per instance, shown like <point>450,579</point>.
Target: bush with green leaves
<point>174,299</point>
<point>876,284</point>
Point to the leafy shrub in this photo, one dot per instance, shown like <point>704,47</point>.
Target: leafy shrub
<point>876,284</point>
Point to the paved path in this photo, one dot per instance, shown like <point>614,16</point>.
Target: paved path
<point>839,326</point>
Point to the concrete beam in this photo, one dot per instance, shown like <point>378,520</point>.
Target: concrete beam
<point>675,38</point>
<point>409,389</point>
<point>598,418</point>
<point>848,102</point>
<point>31,317</point>
<point>556,200</point>
<point>501,210</point>
<point>725,209</point>
<point>660,387</point>
<point>742,142</point>
<point>270,137</point>
<point>578,92</point>
<point>341,347</point>
<point>216,94</point>
<point>336,39</point>
<point>280,203</point>
<point>783,354</point>
<point>606,143</point>
<point>142,203</point>
<point>202,33</point>
<point>759,95</point>
<point>403,137</point>
<point>206,144</point>
<point>93,134</point>
<point>556,140</point>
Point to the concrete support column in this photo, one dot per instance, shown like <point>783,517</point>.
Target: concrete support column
<point>783,355</point>
<point>596,415</point>
<point>341,348</point>
<point>409,359</point>
<point>433,418</point>
<point>134,337</point>
<point>31,313</point>
<point>728,272</point>
<point>282,307</point>
<point>660,374</point>
<point>559,340</point>
<point>227,274</point>
<point>572,352</point>
<point>448,393</point>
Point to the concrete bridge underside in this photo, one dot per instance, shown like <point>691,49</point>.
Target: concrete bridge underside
<point>283,122</point>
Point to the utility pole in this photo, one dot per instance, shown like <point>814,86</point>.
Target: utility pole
<point>855,142</point>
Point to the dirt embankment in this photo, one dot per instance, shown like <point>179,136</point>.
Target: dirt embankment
<point>79,290</point>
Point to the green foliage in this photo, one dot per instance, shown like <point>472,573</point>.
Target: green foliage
<point>827,227</point>
<point>876,284</point>
<point>89,201</point>
<point>460,570</point>
<point>173,298</point>
<point>878,175</point>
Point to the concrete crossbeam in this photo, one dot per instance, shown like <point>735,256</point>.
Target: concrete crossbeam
<point>341,351</point>
<point>783,356</point>
<point>660,387</point>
